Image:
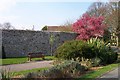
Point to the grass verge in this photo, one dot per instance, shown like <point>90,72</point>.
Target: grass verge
<point>88,76</point>
<point>9,61</point>
<point>97,73</point>
<point>7,75</point>
<point>27,71</point>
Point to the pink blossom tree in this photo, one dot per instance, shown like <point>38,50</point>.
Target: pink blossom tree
<point>89,26</point>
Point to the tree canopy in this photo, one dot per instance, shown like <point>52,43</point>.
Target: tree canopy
<point>89,26</point>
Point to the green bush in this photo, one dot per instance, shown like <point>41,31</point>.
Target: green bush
<point>73,49</point>
<point>67,69</point>
<point>93,48</point>
<point>44,28</point>
<point>110,57</point>
<point>102,51</point>
<point>96,61</point>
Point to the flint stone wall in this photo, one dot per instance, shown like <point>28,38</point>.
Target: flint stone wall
<point>18,43</point>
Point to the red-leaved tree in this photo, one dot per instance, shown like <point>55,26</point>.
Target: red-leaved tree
<point>89,26</point>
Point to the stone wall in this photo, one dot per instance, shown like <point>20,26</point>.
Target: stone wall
<point>18,43</point>
<point>0,43</point>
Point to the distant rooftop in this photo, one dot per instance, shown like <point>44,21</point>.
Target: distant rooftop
<point>59,28</point>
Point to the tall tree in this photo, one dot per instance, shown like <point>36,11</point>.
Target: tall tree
<point>68,23</point>
<point>97,9</point>
<point>111,12</point>
<point>118,32</point>
<point>67,26</point>
<point>112,17</point>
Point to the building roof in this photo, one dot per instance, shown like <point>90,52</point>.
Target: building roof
<point>59,28</point>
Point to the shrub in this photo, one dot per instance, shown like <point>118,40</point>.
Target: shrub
<point>57,61</point>
<point>73,49</point>
<point>96,61</point>
<point>5,74</point>
<point>102,51</point>
<point>86,62</point>
<point>44,28</point>
<point>67,69</point>
<point>93,48</point>
<point>108,58</point>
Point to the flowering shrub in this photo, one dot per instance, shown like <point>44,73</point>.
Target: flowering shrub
<point>89,26</point>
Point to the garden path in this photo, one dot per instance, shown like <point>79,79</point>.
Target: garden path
<point>27,66</point>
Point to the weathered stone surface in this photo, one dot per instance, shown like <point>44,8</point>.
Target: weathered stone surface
<point>17,43</point>
<point>0,44</point>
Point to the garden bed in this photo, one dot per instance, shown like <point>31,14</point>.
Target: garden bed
<point>94,72</point>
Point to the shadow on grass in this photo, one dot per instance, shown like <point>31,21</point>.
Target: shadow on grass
<point>43,59</point>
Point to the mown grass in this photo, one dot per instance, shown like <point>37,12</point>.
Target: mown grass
<point>92,75</point>
<point>8,61</point>
<point>6,74</point>
<point>99,72</point>
<point>22,73</point>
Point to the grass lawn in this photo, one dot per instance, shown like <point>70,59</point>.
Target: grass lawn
<point>27,71</point>
<point>97,73</point>
<point>22,60</point>
<point>21,74</point>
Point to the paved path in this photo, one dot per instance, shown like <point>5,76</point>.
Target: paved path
<point>112,74</point>
<point>27,66</point>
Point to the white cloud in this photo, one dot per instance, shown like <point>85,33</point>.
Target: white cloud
<point>6,4</point>
<point>14,20</point>
<point>8,18</point>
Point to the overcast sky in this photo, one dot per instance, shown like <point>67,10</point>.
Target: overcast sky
<point>23,14</point>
